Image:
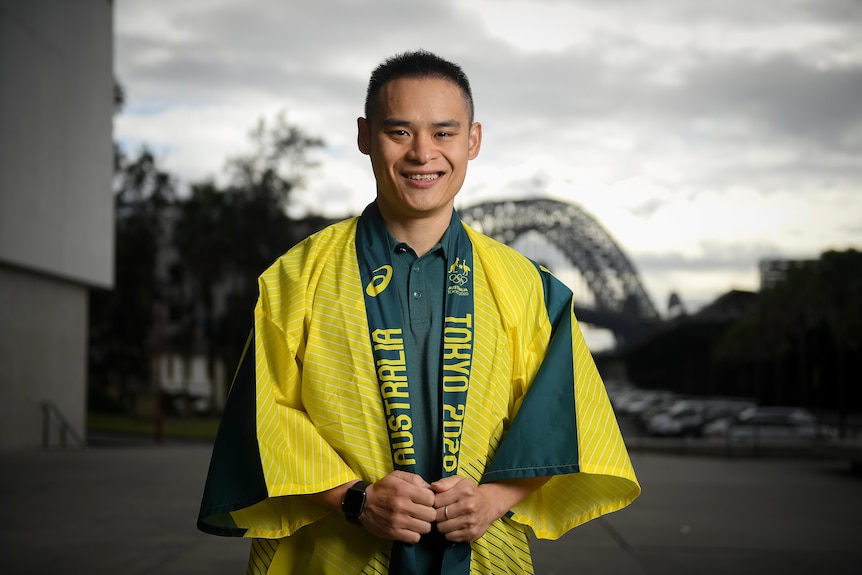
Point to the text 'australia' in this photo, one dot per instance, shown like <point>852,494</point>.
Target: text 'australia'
<point>392,376</point>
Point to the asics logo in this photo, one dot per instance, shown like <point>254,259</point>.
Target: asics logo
<point>379,281</point>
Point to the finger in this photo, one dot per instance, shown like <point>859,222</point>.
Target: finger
<point>412,524</point>
<point>404,535</point>
<point>402,485</point>
<point>443,514</point>
<point>456,528</point>
<point>451,525</point>
<point>447,483</point>
<point>424,513</point>
<point>460,535</point>
<point>398,519</point>
<point>422,496</point>
<point>462,528</point>
<point>410,478</point>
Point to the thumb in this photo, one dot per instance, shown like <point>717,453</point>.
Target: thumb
<point>414,479</point>
<point>445,484</point>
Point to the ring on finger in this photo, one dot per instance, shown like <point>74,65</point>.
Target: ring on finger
<point>446,512</point>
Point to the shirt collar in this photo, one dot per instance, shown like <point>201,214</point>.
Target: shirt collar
<point>397,247</point>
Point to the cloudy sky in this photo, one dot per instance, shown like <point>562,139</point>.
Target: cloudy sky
<point>704,136</point>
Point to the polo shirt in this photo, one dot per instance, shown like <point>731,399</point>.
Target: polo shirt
<point>421,286</point>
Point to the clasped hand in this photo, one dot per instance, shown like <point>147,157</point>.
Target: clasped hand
<point>402,506</point>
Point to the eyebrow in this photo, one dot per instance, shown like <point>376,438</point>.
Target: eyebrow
<point>396,122</point>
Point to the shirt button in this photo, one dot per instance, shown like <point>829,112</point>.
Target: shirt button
<point>416,269</point>
<point>417,294</point>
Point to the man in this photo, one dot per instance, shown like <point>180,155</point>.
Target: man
<point>416,395</point>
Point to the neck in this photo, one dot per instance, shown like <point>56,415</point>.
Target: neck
<point>420,234</point>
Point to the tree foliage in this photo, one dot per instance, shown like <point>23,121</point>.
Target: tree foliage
<point>825,292</point>
<point>227,236</point>
<point>121,319</point>
<point>277,164</point>
<point>805,334</point>
<point>187,267</point>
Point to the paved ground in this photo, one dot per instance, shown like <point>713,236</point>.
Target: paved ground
<point>132,510</point>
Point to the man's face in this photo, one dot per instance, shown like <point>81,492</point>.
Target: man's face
<point>420,140</point>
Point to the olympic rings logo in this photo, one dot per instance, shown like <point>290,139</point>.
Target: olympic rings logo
<point>458,279</point>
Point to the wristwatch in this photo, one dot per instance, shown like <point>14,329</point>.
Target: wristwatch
<point>354,501</point>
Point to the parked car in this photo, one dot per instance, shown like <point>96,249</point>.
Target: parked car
<point>769,423</point>
<point>661,405</point>
<point>637,400</point>
<point>687,417</point>
<point>617,389</point>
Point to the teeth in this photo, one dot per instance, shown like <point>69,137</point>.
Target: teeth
<point>423,176</point>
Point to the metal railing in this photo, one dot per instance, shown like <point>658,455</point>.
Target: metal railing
<point>50,412</point>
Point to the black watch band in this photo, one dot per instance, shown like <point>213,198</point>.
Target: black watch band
<point>354,501</point>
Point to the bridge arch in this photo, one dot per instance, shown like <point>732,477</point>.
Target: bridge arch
<point>621,303</point>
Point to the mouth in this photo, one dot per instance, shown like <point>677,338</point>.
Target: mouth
<point>423,177</point>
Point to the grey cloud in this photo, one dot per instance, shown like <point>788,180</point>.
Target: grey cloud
<point>811,117</point>
<point>729,256</point>
<point>648,207</point>
<point>717,123</point>
<point>842,12</point>
<point>745,14</point>
<point>782,95</point>
<point>309,50</point>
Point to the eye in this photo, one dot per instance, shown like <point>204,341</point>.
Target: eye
<point>400,133</point>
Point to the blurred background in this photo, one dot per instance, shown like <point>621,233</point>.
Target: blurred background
<point>691,172</point>
<point>692,175</point>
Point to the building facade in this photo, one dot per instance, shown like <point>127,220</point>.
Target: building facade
<point>56,207</point>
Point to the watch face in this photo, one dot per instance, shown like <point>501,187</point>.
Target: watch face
<point>354,501</point>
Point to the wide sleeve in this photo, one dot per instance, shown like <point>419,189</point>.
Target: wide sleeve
<point>565,428</point>
<point>268,450</point>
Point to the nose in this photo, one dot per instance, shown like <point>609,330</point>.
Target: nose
<point>422,149</point>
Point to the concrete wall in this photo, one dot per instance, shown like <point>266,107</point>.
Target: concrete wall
<point>56,205</point>
<point>43,351</point>
<point>56,104</point>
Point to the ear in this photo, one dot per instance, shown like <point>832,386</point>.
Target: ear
<point>474,141</point>
<point>363,136</point>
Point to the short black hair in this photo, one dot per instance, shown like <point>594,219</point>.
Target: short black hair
<point>417,64</point>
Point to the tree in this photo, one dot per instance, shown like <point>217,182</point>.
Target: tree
<point>805,334</point>
<point>186,268</point>
<point>121,319</point>
<point>277,163</point>
<point>840,303</point>
<point>227,237</point>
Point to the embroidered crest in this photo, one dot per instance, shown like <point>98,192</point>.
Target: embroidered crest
<point>459,274</point>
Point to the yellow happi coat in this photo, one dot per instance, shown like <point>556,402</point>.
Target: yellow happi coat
<point>319,419</point>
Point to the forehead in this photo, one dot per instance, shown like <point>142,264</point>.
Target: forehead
<point>435,98</point>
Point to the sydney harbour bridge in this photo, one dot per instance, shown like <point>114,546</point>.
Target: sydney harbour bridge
<point>561,236</point>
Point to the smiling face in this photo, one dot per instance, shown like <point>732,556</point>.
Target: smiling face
<point>420,140</point>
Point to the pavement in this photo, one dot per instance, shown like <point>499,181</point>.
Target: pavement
<point>131,509</point>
